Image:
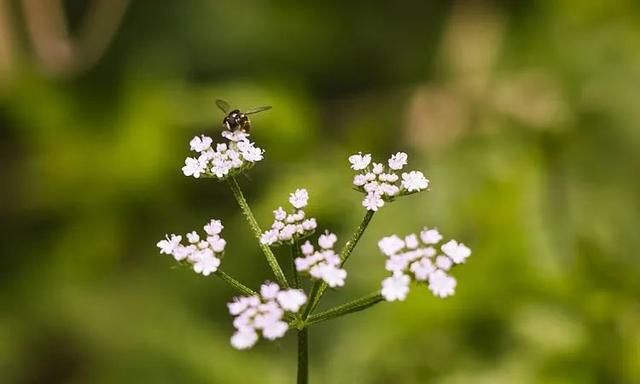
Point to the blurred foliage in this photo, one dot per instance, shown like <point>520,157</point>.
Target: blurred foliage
<point>523,115</point>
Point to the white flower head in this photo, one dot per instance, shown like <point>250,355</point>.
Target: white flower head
<point>204,262</point>
<point>441,284</point>
<point>263,314</point>
<point>414,181</point>
<point>327,240</point>
<point>398,161</point>
<point>458,252</point>
<point>244,339</point>
<point>169,244</point>
<point>291,226</point>
<point>416,258</point>
<point>395,287</point>
<point>359,161</point>
<point>292,299</point>
<point>299,198</point>
<point>322,264</point>
<point>382,184</point>
<point>390,245</point>
<point>269,290</point>
<point>223,159</point>
<point>200,143</point>
<point>193,167</point>
<point>214,227</point>
<point>203,256</point>
<point>430,236</point>
<point>373,201</point>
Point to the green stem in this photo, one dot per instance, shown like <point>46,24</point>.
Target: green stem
<point>320,287</point>
<point>351,244</point>
<point>235,283</point>
<point>255,228</point>
<point>344,309</point>
<point>303,356</point>
<point>297,283</point>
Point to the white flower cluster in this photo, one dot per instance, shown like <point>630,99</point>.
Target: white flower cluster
<point>288,227</point>
<point>223,160</point>
<point>264,313</point>
<point>382,183</point>
<point>203,254</point>
<point>416,258</point>
<point>323,264</point>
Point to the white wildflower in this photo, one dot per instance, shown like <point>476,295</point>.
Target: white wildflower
<point>244,339</point>
<point>372,202</point>
<point>359,161</point>
<point>288,227</point>
<point>200,143</point>
<point>204,256</point>
<point>192,167</point>
<point>390,245</point>
<point>414,181</point>
<point>291,300</point>
<point>214,227</point>
<point>223,159</point>
<point>299,198</point>
<point>263,314</point>
<point>413,258</point>
<point>441,284</point>
<point>323,264</point>
<point>395,287</point>
<point>381,183</point>
<point>169,244</point>
<point>458,252</point>
<point>327,240</point>
<point>398,161</point>
<point>430,236</point>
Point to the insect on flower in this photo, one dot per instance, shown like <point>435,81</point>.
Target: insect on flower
<point>235,119</point>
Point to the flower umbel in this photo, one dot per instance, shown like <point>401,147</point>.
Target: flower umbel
<point>263,313</point>
<point>382,183</point>
<point>288,227</point>
<point>322,264</point>
<point>202,253</point>
<point>225,159</point>
<point>417,258</point>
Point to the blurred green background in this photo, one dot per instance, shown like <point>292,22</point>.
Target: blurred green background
<point>524,115</point>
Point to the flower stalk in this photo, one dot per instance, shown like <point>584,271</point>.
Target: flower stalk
<point>255,228</point>
<point>347,308</point>
<point>319,288</point>
<point>238,286</point>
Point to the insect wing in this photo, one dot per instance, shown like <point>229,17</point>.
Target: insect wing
<point>223,105</point>
<point>258,109</point>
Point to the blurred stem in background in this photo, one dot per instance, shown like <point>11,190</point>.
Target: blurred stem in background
<point>58,52</point>
<point>255,228</point>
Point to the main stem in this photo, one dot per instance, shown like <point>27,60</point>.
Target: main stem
<point>303,356</point>
<point>319,288</point>
<point>257,232</point>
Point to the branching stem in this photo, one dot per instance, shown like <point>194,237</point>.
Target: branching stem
<point>255,228</point>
